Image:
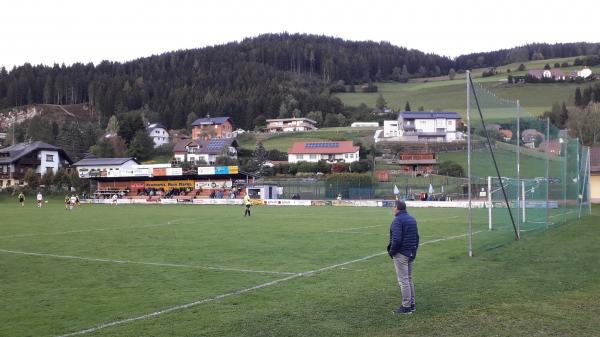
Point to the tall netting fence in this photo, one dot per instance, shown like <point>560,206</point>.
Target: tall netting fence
<point>530,176</point>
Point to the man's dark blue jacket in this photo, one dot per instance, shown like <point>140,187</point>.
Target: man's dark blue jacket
<point>404,235</point>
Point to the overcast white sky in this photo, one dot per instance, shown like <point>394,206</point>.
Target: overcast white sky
<point>57,31</point>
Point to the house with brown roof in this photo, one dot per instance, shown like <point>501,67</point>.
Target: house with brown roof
<point>330,151</point>
<point>417,162</point>
<point>552,147</point>
<point>205,151</point>
<point>212,127</point>
<point>506,134</point>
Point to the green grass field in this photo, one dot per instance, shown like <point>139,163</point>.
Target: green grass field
<point>207,271</point>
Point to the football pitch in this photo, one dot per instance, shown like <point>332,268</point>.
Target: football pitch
<point>172,270</point>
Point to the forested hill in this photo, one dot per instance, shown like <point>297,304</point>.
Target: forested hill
<point>267,76</point>
<point>534,51</point>
<point>272,75</point>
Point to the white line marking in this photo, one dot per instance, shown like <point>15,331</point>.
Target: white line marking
<point>342,230</point>
<point>350,229</point>
<point>171,222</point>
<point>145,263</point>
<point>237,292</point>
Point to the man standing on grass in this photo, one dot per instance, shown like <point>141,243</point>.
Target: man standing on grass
<point>248,204</point>
<point>404,242</point>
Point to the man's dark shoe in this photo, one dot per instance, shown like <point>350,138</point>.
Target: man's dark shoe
<point>402,311</point>
<point>412,308</point>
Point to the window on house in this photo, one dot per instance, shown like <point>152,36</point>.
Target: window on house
<point>351,155</point>
<point>313,156</point>
<point>50,157</point>
<point>300,156</point>
<point>345,155</point>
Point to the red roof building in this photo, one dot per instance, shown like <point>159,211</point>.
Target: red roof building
<point>330,151</point>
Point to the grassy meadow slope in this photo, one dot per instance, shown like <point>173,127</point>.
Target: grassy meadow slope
<point>440,93</point>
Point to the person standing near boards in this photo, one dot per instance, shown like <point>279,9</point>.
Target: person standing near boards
<point>402,248</point>
<point>248,204</point>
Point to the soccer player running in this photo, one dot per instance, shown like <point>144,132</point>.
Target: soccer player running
<point>67,202</point>
<point>248,204</point>
<point>21,198</point>
<point>72,201</point>
<point>39,199</point>
<point>402,248</point>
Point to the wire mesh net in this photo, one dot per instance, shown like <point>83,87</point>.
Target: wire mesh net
<point>528,176</point>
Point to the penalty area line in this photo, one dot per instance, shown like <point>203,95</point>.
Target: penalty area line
<point>157,264</point>
<point>238,292</point>
<point>171,222</point>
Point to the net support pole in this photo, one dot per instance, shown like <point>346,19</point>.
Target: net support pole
<point>470,209</point>
<point>547,172</point>
<point>583,184</point>
<point>523,202</point>
<point>566,141</point>
<point>489,197</point>
<point>518,224</point>
<point>579,186</point>
<point>589,185</point>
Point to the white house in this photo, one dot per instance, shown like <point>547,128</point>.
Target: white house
<point>159,134</point>
<point>41,157</point>
<point>106,167</point>
<point>422,126</point>
<point>330,151</point>
<point>291,124</point>
<point>390,129</point>
<point>206,151</point>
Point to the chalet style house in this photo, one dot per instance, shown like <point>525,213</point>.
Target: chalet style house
<point>159,134</point>
<point>198,151</point>
<point>38,156</point>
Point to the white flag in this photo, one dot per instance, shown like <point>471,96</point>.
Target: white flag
<point>430,189</point>
<point>396,190</point>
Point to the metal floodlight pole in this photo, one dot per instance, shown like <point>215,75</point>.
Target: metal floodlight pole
<point>470,210</point>
<point>518,168</point>
<point>487,136</point>
<point>547,172</point>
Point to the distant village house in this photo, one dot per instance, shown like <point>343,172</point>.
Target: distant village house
<point>330,151</point>
<point>291,124</point>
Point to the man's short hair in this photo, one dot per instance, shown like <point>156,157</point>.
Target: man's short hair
<point>400,205</point>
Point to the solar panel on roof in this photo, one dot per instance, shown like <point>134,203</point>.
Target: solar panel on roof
<point>321,145</point>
